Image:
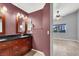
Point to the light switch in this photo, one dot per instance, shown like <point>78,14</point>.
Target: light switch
<point>48,32</point>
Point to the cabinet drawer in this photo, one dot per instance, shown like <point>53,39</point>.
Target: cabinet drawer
<point>3,46</point>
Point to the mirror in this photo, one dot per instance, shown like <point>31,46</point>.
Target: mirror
<point>20,25</point>
<point>2,24</point>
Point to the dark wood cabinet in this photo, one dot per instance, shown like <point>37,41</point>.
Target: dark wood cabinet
<point>17,47</point>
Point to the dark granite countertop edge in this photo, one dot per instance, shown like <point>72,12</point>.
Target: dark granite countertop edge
<point>9,38</point>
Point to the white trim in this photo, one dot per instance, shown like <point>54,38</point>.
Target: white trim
<point>65,39</point>
<point>51,34</point>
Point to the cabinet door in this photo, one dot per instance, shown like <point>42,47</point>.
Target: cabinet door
<point>15,47</point>
<point>5,52</point>
<point>29,43</point>
<point>21,47</point>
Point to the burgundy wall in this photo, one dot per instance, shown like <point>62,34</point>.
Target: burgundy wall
<point>41,20</point>
<point>11,18</point>
<point>46,28</point>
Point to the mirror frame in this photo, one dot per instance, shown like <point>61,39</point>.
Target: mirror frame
<point>18,25</point>
<point>3,24</point>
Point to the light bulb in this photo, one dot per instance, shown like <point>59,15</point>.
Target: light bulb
<point>18,14</point>
<point>22,16</point>
<point>21,26</point>
<point>2,11</point>
<point>4,8</point>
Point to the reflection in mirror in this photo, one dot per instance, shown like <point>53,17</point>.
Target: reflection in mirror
<point>29,26</point>
<point>28,21</point>
<point>0,24</point>
<point>20,24</point>
<point>23,24</point>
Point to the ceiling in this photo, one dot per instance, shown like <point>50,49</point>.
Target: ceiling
<point>29,7</point>
<point>64,8</point>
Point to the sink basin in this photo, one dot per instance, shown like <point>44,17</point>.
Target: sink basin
<point>3,39</point>
<point>24,36</point>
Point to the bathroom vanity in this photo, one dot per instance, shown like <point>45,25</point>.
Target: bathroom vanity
<point>15,45</point>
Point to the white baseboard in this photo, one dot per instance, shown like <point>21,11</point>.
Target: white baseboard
<point>65,39</point>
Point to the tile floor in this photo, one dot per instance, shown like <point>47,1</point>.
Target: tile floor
<point>35,53</point>
<point>65,48</point>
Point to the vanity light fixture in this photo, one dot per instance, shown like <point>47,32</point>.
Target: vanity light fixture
<point>22,16</point>
<point>3,10</point>
<point>18,14</point>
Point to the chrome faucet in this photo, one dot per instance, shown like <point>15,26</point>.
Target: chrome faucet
<point>22,34</point>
